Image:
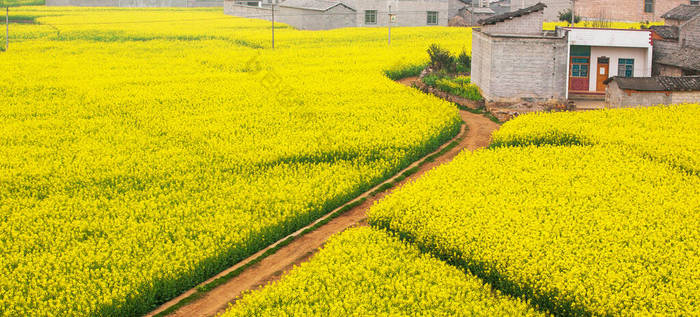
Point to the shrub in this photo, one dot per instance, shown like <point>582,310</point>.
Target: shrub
<point>403,71</point>
<point>441,59</point>
<point>566,16</point>
<point>464,62</point>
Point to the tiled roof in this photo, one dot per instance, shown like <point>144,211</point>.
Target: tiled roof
<point>316,5</point>
<point>685,58</point>
<point>683,12</point>
<point>510,15</point>
<point>667,32</point>
<point>687,83</point>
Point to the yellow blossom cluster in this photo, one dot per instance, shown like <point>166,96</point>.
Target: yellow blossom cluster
<point>664,133</point>
<point>367,272</point>
<point>144,150</point>
<point>577,230</point>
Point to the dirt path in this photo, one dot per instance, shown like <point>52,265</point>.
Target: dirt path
<point>302,248</point>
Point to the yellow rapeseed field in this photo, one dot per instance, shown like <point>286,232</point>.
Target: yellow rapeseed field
<point>144,150</point>
<point>366,272</point>
<point>668,133</point>
<point>578,230</point>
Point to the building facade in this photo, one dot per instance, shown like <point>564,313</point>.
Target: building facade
<point>677,43</point>
<point>325,15</point>
<point>514,59</point>
<point>627,10</point>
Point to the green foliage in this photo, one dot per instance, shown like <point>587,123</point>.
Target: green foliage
<point>441,59</point>
<point>464,62</point>
<point>565,16</point>
<point>468,91</point>
<point>403,71</point>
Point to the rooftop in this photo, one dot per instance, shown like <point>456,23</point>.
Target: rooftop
<point>686,58</point>
<point>316,5</point>
<point>683,12</point>
<point>688,83</point>
<point>510,15</point>
<point>666,32</point>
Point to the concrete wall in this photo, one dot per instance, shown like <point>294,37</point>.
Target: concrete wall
<point>618,98</point>
<point>685,97</point>
<point>481,62</point>
<point>453,7</point>
<point>527,24</point>
<point>661,49</point>
<point>551,12</point>
<point>665,70</point>
<point>134,3</point>
<point>508,69</point>
<point>408,12</point>
<point>336,17</point>
<point>690,33</point>
<point>624,10</point>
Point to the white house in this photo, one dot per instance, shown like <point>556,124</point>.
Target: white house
<point>594,55</point>
<point>513,59</point>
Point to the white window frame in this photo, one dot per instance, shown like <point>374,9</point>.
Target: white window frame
<point>435,13</point>
<point>371,17</point>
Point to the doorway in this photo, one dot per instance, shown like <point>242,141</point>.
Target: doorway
<point>603,73</point>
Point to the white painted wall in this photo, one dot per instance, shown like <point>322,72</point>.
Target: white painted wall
<point>607,37</point>
<point>642,68</point>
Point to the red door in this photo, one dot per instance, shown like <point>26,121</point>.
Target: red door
<point>579,73</point>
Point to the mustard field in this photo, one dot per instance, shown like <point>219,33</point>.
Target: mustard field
<point>367,272</point>
<point>144,150</point>
<point>573,214</point>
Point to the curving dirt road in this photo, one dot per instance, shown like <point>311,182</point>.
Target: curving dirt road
<point>269,269</point>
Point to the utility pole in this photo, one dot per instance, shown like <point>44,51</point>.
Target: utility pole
<point>273,24</point>
<point>7,27</point>
<point>389,24</point>
<point>573,15</point>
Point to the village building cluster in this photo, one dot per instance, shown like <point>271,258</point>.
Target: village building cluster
<point>513,60</point>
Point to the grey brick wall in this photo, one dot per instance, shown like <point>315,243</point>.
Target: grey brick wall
<point>685,97</point>
<point>624,10</point>
<point>508,69</point>
<point>528,24</point>
<point>618,98</point>
<point>690,33</point>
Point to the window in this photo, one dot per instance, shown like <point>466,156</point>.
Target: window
<point>625,67</point>
<point>694,2</point>
<point>432,18</point>
<point>649,6</point>
<point>579,67</point>
<point>370,16</point>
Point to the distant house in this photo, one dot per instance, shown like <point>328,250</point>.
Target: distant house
<point>324,15</point>
<point>677,44</point>
<point>627,10</point>
<point>514,59</point>
<point>472,15</point>
<point>650,91</point>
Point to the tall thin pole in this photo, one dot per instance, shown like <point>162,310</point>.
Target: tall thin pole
<point>7,28</point>
<point>389,24</point>
<point>573,15</point>
<point>273,25</point>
